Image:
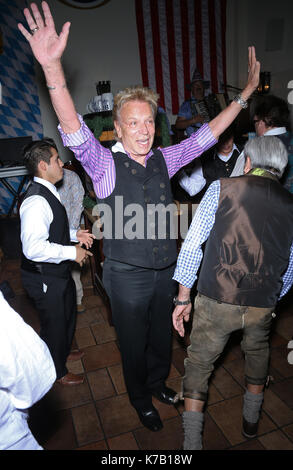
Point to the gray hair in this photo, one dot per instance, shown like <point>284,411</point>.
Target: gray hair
<point>267,152</point>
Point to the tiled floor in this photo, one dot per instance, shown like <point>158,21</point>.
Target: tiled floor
<point>97,415</point>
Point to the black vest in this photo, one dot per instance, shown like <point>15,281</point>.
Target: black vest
<point>58,233</point>
<point>248,249</point>
<point>287,140</point>
<point>214,168</point>
<point>135,230</point>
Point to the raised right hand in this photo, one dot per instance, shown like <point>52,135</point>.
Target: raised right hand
<point>46,45</point>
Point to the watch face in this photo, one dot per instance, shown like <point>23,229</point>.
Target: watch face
<point>84,4</point>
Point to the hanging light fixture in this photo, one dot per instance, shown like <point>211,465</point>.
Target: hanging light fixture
<point>264,83</point>
<point>85,4</point>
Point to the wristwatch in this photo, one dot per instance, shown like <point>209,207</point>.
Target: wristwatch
<point>181,302</point>
<point>238,99</point>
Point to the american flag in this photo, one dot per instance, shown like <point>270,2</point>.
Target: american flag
<point>177,36</point>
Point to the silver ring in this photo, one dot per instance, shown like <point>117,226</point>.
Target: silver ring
<point>34,30</point>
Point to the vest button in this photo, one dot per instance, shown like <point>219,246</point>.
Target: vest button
<point>165,247</point>
<point>126,164</point>
<point>155,249</point>
<point>162,185</point>
<point>166,259</point>
<point>133,171</point>
<point>163,198</point>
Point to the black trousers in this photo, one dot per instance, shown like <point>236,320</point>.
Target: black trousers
<point>56,305</point>
<point>141,302</point>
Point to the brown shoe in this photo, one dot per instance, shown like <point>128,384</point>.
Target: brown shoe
<point>75,355</point>
<point>71,379</point>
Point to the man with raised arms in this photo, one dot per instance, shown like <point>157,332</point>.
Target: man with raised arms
<point>137,273</point>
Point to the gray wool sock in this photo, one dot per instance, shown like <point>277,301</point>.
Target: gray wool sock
<point>251,406</point>
<point>192,426</point>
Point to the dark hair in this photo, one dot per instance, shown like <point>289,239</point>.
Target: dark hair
<point>273,111</point>
<point>227,134</point>
<point>37,151</point>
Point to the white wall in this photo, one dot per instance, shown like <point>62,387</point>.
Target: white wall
<point>248,24</point>
<point>103,45</point>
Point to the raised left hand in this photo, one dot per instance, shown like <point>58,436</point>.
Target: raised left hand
<point>253,73</point>
<point>85,238</point>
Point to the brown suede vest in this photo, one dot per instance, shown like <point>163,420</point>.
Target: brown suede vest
<point>248,249</point>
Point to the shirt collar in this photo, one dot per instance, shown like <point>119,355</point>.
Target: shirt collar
<point>118,147</point>
<point>276,131</point>
<point>48,185</point>
<point>263,172</point>
<point>225,158</point>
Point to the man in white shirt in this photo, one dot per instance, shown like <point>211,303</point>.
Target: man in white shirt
<point>271,117</point>
<point>27,373</point>
<point>48,255</point>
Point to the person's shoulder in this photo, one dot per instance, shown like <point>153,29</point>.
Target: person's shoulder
<point>75,176</point>
<point>229,181</point>
<point>70,175</point>
<point>185,105</point>
<point>239,148</point>
<point>36,203</point>
<point>215,186</point>
<point>287,139</point>
<point>209,155</point>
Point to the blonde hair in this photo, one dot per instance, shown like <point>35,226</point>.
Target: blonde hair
<point>135,93</point>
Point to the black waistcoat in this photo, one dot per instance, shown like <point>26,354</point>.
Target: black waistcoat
<point>58,233</point>
<point>248,248</point>
<point>286,138</point>
<point>214,168</point>
<point>138,214</point>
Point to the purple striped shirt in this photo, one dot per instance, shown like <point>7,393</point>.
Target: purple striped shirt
<point>99,164</point>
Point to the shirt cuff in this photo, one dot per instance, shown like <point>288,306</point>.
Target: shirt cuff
<point>204,136</point>
<point>69,253</point>
<point>73,233</point>
<point>185,279</point>
<point>76,138</point>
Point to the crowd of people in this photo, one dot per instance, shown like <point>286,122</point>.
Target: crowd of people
<point>245,269</point>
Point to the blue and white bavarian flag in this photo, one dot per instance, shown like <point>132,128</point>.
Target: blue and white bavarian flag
<point>20,109</point>
<point>19,104</point>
